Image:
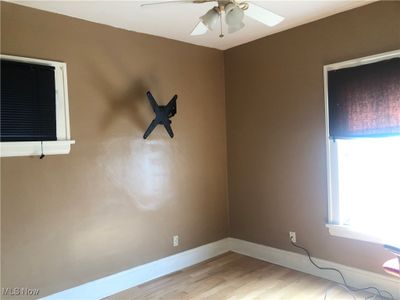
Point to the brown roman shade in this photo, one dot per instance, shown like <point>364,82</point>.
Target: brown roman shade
<point>364,101</point>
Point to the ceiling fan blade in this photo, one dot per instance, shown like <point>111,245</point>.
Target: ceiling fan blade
<point>175,2</point>
<point>263,15</point>
<point>199,29</point>
<point>166,2</point>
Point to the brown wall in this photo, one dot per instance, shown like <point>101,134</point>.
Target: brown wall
<point>276,133</point>
<point>116,200</point>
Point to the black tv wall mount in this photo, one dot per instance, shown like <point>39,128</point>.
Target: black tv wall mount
<point>163,115</point>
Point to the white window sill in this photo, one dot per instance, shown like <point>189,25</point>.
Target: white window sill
<point>350,233</point>
<point>8,149</point>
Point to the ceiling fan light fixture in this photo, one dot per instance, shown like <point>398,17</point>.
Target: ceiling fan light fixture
<point>210,19</point>
<point>234,17</point>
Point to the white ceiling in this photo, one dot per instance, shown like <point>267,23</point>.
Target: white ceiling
<point>176,21</point>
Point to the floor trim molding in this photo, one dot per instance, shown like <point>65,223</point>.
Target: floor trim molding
<point>118,282</point>
<point>355,277</point>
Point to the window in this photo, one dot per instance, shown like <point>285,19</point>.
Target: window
<point>362,103</point>
<point>34,107</point>
<point>28,102</point>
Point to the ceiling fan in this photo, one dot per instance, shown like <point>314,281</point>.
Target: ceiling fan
<point>233,10</point>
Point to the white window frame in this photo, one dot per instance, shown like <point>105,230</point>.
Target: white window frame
<point>333,225</point>
<point>63,143</point>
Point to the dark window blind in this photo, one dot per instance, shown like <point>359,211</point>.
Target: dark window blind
<point>364,101</point>
<point>28,103</point>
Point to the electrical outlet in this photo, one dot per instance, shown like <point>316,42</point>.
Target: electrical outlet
<point>292,236</point>
<point>175,240</point>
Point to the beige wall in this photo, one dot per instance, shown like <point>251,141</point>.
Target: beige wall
<point>116,200</point>
<point>275,121</point>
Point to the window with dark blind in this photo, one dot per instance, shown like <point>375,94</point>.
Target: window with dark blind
<point>28,102</point>
<point>364,101</point>
<point>363,147</point>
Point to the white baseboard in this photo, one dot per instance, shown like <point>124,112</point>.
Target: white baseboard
<point>118,282</point>
<point>355,277</point>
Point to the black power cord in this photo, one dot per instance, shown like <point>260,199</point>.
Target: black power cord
<point>378,291</point>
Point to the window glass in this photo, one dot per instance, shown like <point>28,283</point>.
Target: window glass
<point>369,185</point>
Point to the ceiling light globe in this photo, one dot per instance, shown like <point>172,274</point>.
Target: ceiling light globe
<point>234,15</point>
<point>210,19</point>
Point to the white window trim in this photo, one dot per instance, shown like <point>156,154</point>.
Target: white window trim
<point>333,225</point>
<point>63,143</point>
<point>350,233</point>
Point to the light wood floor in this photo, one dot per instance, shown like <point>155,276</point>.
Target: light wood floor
<point>234,276</point>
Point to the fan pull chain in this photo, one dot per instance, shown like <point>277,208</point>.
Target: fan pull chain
<point>220,21</point>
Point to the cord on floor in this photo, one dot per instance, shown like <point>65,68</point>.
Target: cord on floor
<point>342,286</point>
<point>349,288</point>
